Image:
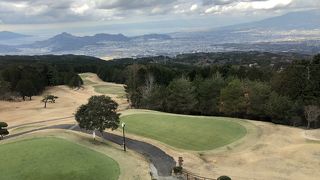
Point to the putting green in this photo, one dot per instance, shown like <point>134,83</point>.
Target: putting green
<point>185,132</point>
<point>53,158</point>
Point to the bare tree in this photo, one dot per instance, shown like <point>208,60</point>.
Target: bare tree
<point>149,84</point>
<point>311,113</point>
<point>147,89</point>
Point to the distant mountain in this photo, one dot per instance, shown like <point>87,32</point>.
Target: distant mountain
<point>301,20</point>
<point>106,37</point>
<point>295,26</point>
<point>5,49</point>
<point>69,42</point>
<point>6,35</point>
<point>149,37</point>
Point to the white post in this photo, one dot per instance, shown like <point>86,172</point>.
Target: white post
<point>94,134</point>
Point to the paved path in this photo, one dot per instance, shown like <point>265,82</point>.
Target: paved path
<point>162,161</point>
<point>44,121</point>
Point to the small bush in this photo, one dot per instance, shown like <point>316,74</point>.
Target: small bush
<point>177,170</point>
<point>3,125</point>
<point>224,178</point>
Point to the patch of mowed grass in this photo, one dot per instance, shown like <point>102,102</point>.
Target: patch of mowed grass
<point>87,82</point>
<point>185,132</point>
<point>53,158</point>
<point>110,89</point>
<point>84,75</point>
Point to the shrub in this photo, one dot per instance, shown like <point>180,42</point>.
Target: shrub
<point>224,178</point>
<point>177,170</point>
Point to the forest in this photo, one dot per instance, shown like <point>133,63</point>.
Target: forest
<point>26,76</point>
<point>282,92</point>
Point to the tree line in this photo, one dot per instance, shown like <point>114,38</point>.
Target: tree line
<point>282,96</point>
<point>29,78</point>
<point>286,92</point>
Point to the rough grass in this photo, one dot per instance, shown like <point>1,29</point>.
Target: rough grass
<point>185,132</point>
<point>109,89</point>
<point>53,158</point>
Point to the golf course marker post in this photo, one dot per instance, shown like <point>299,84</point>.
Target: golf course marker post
<point>124,137</point>
<point>94,135</point>
<point>180,161</point>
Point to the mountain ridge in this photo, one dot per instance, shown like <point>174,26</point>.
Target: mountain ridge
<point>7,35</point>
<point>67,42</point>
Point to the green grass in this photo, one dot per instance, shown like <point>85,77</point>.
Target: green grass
<point>56,159</point>
<point>88,82</point>
<point>84,75</point>
<point>185,132</point>
<point>109,89</point>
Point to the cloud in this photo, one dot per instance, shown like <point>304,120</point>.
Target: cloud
<point>80,9</point>
<point>132,4</point>
<point>194,7</point>
<point>65,11</point>
<point>248,6</point>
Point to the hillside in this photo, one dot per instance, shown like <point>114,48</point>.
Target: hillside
<point>6,35</point>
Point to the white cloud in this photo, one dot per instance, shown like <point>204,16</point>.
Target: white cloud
<point>270,4</point>
<point>213,9</point>
<point>80,9</point>
<point>249,6</point>
<point>194,7</point>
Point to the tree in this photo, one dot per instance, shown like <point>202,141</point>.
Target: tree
<point>232,99</point>
<point>258,93</point>
<point>26,88</point>
<point>12,74</point>
<point>156,99</point>
<point>99,114</point>
<point>135,83</point>
<point>3,130</point>
<point>75,81</point>
<point>49,98</point>
<point>312,113</point>
<point>312,93</point>
<point>208,94</point>
<point>224,178</point>
<point>181,96</point>
<point>4,89</point>
<point>279,108</point>
<point>291,82</point>
<point>148,88</point>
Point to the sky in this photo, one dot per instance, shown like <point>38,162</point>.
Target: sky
<point>133,17</point>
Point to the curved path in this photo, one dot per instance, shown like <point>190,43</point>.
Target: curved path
<point>162,161</point>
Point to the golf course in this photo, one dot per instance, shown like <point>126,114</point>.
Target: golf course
<point>185,132</point>
<point>54,158</point>
<point>210,146</point>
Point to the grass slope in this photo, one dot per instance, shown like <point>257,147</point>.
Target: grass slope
<point>185,132</point>
<point>53,158</point>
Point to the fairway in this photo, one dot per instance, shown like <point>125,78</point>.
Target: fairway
<point>185,132</point>
<point>109,89</point>
<point>53,158</point>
